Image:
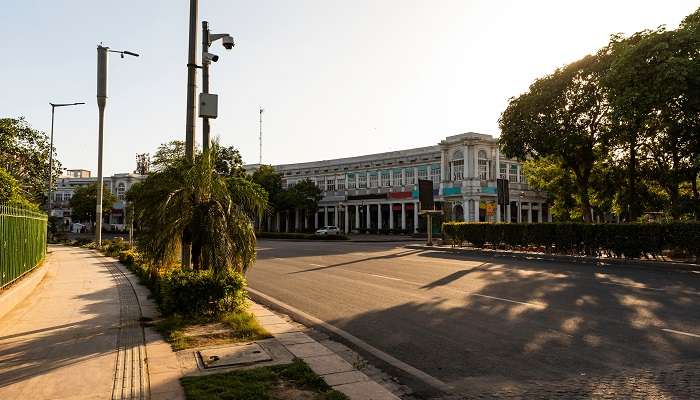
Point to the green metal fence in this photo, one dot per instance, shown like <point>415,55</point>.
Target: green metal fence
<point>22,242</point>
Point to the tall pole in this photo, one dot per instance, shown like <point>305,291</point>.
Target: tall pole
<point>48,208</point>
<point>191,81</point>
<point>102,56</point>
<point>186,255</point>
<point>205,83</point>
<point>260,138</point>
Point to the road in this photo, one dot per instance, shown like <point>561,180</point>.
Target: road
<point>503,327</point>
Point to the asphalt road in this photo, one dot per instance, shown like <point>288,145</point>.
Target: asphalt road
<point>485,325</point>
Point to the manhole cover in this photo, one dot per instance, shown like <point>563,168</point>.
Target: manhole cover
<point>233,355</point>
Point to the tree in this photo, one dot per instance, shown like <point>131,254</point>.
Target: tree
<point>25,155</point>
<point>11,193</point>
<point>212,211</point>
<point>565,116</point>
<point>84,202</point>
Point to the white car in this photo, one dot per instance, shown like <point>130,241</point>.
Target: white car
<point>328,230</point>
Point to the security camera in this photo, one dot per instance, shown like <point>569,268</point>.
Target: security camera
<point>210,57</point>
<point>227,41</point>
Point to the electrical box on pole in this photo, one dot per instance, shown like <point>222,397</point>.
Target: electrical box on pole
<point>208,105</point>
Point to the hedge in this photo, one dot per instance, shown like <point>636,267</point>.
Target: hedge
<point>615,240</point>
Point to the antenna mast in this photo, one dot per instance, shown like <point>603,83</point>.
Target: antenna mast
<point>260,138</point>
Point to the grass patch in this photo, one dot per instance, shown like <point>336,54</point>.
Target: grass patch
<point>232,327</point>
<point>279,382</point>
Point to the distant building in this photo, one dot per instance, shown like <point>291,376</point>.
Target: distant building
<point>379,191</point>
<point>118,184</point>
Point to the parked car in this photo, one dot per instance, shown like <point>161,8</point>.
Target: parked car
<point>328,230</point>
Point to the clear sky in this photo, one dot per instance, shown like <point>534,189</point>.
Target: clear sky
<point>336,78</point>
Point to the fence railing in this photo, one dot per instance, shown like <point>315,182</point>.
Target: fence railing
<point>22,242</point>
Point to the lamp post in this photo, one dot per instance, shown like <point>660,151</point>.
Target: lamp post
<point>53,108</point>
<point>102,56</point>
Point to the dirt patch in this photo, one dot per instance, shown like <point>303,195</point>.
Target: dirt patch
<point>286,391</point>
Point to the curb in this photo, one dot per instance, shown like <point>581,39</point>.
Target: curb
<point>339,374</point>
<point>20,289</point>
<point>642,264</point>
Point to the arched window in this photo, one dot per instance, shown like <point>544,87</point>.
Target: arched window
<point>121,190</point>
<point>483,166</point>
<point>457,166</point>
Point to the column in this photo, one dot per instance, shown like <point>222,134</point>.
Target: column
<point>357,217</point>
<point>403,216</point>
<point>336,215</point>
<point>465,152</point>
<point>297,221</point>
<point>519,179</point>
<point>316,219</point>
<point>498,211</point>
<point>346,214</point>
<point>549,214</point>
<point>369,223</point>
<point>286,223</point>
<point>325,216</point>
<point>508,216</point>
<point>467,211</point>
<point>277,222</point>
<point>529,213</point>
<point>539,214</point>
<point>498,163</point>
<point>379,216</point>
<point>415,217</point>
<point>391,216</point>
<point>403,176</point>
<point>443,160</point>
<point>520,211</point>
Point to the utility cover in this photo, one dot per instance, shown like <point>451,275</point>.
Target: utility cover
<point>230,356</point>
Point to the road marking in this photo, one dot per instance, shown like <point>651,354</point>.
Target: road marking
<point>543,306</point>
<point>317,265</point>
<point>681,333</point>
<point>389,359</point>
<point>634,286</point>
<point>386,277</point>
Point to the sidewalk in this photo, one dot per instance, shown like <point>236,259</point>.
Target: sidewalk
<point>79,336</point>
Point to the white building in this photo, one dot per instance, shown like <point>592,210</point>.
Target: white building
<point>379,191</point>
<point>118,184</point>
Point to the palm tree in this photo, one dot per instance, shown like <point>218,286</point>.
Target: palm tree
<point>213,212</point>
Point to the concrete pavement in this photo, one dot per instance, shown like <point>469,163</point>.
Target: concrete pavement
<point>78,336</point>
<point>499,328</point>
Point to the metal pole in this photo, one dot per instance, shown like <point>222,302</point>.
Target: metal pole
<point>48,208</point>
<point>186,255</point>
<point>430,229</point>
<point>260,160</point>
<point>191,81</point>
<point>205,83</point>
<point>102,56</point>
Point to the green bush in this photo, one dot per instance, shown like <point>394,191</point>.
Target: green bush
<point>617,240</point>
<point>112,248</point>
<point>201,293</point>
<point>129,257</point>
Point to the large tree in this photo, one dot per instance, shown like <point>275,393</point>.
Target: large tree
<point>564,116</point>
<point>25,155</point>
<point>84,202</point>
<point>210,210</point>
<point>228,161</point>
<point>11,193</point>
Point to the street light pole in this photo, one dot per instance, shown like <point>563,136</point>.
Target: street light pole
<point>53,109</point>
<point>205,83</point>
<point>102,58</point>
<point>191,85</point>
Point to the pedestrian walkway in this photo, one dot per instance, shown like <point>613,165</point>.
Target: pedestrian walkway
<point>79,336</point>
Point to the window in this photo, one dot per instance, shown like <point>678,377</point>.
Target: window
<point>397,177</point>
<point>513,173</point>
<point>435,173</point>
<point>503,171</point>
<point>321,183</point>
<point>57,197</point>
<point>352,179</point>
<point>340,182</point>
<point>373,180</point>
<point>483,166</point>
<point>409,176</point>
<point>457,166</point>
<point>361,180</point>
<point>330,184</point>
<point>386,181</point>
<point>423,172</point>
<point>121,189</point>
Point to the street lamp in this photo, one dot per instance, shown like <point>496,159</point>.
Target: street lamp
<point>102,53</point>
<point>208,102</point>
<point>53,108</point>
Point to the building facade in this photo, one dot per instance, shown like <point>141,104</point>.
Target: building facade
<point>378,192</point>
<point>118,184</point>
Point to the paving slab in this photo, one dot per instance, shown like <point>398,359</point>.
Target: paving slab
<point>342,378</point>
<point>312,349</point>
<point>328,364</point>
<point>368,390</point>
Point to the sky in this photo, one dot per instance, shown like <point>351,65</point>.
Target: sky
<point>336,78</point>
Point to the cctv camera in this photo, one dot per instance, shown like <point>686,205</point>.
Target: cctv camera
<point>210,57</point>
<point>227,42</point>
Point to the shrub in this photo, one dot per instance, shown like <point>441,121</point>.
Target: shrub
<point>201,293</point>
<point>129,257</point>
<point>618,240</point>
<point>112,248</point>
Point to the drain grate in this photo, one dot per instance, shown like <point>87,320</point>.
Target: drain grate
<point>231,356</point>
